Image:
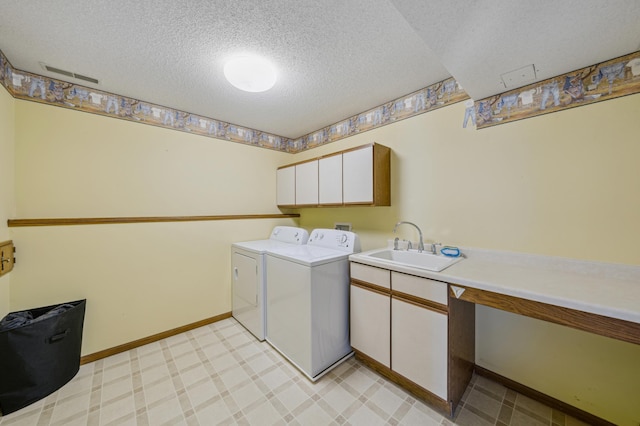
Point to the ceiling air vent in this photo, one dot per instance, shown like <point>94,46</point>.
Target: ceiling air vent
<point>519,77</point>
<point>69,73</point>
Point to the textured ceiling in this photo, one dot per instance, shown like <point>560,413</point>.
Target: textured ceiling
<point>335,58</point>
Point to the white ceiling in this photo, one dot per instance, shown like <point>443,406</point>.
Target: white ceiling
<point>335,58</point>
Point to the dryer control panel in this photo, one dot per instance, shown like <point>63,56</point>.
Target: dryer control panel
<point>335,239</point>
<point>289,234</point>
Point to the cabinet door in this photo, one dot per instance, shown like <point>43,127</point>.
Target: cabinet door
<point>286,186</point>
<point>307,183</point>
<point>357,185</point>
<point>370,324</point>
<point>419,346</point>
<point>330,180</point>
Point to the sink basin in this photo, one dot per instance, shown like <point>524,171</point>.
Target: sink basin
<point>413,259</point>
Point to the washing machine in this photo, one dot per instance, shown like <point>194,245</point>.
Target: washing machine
<point>308,301</point>
<point>248,275</point>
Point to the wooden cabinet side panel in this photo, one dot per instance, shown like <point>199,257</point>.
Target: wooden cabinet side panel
<point>381,175</point>
<point>462,347</point>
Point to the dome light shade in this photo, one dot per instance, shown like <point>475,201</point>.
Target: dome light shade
<point>250,73</point>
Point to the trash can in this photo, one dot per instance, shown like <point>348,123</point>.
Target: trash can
<point>39,352</point>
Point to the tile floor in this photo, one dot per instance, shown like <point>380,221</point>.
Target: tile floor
<point>219,374</point>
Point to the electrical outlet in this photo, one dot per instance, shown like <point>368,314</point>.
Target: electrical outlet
<point>343,226</point>
<point>7,257</point>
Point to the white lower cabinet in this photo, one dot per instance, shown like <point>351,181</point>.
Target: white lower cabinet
<point>411,331</point>
<point>419,345</point>
<point>370,317</point>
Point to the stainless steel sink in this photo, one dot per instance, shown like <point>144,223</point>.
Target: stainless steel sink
<point>412,258</point>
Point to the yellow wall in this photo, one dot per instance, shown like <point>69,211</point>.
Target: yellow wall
<point>563,184</point>
<point>138,279</point>
<point>7,203</point>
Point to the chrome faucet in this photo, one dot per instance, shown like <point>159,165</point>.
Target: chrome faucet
<point>420,243</point>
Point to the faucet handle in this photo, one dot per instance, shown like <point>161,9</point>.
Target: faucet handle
<point>395,243</point>
<point>409,245</point>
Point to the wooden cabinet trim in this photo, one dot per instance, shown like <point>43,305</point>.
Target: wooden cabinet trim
<point>420,302</point>
<point>429,279</point>
<point>380,277</point>
<point>356,148</point>
<point>333,154</point>
<point>298,163</point>
<point>415,389</point>
<point>547,400</point>
<point>371,287</point>
<point>605,326</point>
<point>433,291</point>
<point>15,223</point>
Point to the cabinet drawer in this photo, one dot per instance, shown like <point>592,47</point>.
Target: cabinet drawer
<point>370,274</point>
<point>424,288</point>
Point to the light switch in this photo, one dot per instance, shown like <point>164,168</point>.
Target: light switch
<point>7,258</point>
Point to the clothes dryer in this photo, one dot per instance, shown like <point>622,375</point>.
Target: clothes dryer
<point>248,275</point>
<point>308,301</point>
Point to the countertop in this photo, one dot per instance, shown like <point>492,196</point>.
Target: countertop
<point>611,290</point>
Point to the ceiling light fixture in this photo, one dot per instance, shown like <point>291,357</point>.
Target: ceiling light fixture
<point>250,73</point>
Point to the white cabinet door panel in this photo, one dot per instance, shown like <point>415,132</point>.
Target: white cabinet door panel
<point>307,183</point>
<point>369,317</point>
<point>357,185</point>
<point>286,186</point>
<point>419,346</point>
<point>330,180</point>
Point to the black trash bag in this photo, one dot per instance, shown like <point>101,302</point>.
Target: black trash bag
<point>40,355</point>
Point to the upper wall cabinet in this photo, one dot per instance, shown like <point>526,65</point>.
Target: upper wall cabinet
<point>367,175</point>
<point>330,180</point>
<point>357,176</point>
<point>286,186</point>
<point>307,183</point>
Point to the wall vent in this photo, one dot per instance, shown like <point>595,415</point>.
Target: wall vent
<point>519,77</point>
<point>69,73</point>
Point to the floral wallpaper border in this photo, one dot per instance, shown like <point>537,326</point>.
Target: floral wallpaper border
<point>34,87</point>
<point>438,95</point>
<point>607,80</point>
<point>38,88</point>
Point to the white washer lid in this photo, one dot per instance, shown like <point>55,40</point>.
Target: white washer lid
<point>280,236</point>
<point>308,255</point>
<point>260,246</point>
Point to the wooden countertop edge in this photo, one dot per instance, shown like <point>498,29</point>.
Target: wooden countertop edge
<point>594,323</point>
